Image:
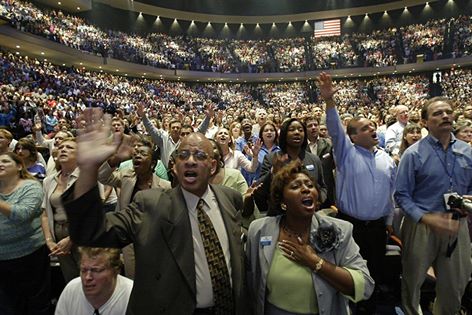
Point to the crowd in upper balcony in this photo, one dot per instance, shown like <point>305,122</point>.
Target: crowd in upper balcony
<point>436,39</point>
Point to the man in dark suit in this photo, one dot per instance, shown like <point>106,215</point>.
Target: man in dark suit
<point>173,269</point>
<point>322,148</point>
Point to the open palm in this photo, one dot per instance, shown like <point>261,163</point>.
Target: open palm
<point>95,144</point>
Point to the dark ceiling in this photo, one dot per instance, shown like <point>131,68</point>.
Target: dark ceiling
<point>260,7</point>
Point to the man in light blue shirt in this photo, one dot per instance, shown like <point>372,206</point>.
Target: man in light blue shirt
<point>394,133</point>
<point>435,166</point>
<point>365,178</point>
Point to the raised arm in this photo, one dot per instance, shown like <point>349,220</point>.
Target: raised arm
<point>327,90</point>
<point>156,134</point>
<point>209,113</point>
<point>94,147</point>
<point>341,142</point>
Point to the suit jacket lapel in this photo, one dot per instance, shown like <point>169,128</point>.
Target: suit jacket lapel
<point>178,233</point>
<point>230,219</point>
<point>233,230</point>
<point>273,232</point>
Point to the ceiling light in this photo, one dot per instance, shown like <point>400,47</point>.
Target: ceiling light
<point>78,8</point>
<point>59,3</point>
<point>42,53</point>
<point>17,46</point>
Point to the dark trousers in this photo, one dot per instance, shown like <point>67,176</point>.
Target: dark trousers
<point>25,284</point>
<point>371,237</point>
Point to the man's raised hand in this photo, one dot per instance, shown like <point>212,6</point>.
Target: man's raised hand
<point>325,84</point>
<point>96,143</point>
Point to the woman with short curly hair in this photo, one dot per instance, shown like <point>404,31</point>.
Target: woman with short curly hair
<point>301,262</point>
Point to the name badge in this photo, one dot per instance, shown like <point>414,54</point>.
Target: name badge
<point>310,167</point>
<point>266,240</point>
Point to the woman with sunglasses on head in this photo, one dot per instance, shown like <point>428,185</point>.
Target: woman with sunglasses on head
<point>24,263</point>
<point>234,158</point>
<point>299,261</point>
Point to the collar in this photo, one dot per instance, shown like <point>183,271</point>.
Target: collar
<point>434,141</point>
<point>366,151</point>
<point>74,174</point>
<point>192,200</point>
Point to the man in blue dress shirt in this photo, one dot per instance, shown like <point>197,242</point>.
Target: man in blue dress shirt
<point>435,166</point>
<point>365,179</point>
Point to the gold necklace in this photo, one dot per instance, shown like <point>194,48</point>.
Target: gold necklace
<point>292,233</point>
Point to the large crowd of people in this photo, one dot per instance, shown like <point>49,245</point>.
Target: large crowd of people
<point>379,48</point>
<point>213,198</point>
<point>66,91</point>
<point>257,128</point>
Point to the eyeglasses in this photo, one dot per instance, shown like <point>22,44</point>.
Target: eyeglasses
<point>94,271</point>
<point>142,153</point>
<point>198,155</point>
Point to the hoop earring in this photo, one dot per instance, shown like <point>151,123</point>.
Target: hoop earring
<point>283,206</point>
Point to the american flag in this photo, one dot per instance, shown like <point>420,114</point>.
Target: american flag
<point>328,28</point>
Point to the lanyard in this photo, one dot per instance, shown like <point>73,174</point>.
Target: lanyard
<point>444,164</point>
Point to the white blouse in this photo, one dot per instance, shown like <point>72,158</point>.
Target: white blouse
<point>237,160</point>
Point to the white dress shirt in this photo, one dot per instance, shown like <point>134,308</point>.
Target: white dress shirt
<point>393,138</point>
<point>202,272</point>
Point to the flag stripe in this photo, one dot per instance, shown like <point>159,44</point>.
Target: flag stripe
<point>328,28</point>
